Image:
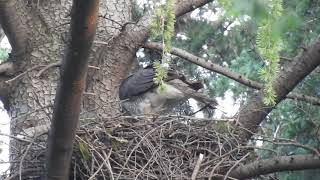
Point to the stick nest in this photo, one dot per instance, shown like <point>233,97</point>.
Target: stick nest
<point>167,147</point>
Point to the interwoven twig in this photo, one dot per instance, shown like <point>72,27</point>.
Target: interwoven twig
<point>151,147</point>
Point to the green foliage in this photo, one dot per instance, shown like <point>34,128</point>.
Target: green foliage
<point>269,45</point>
<point>197,33</point>
<point>299,175</point>
<point>163,25</point>
<point>4,54</point>
<point>161,74</point>
<point>84,151</point>
<point>157,25</point>
<point>257,9</point>
<point>222,127</point>
<point>271,27</point>
<point>247,64</point>
<point>136,11</point>
<point>237,49</point>
<point>169,27</point>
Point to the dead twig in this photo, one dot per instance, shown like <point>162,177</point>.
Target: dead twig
<point>197,167</point>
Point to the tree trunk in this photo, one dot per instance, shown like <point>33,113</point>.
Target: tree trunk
<point>38,32</point>
<point>31,99</point>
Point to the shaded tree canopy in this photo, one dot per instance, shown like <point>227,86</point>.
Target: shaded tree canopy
<point>214,42</point>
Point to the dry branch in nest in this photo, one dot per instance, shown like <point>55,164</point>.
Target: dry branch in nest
<point>154,148</point>
<point>148,147</point>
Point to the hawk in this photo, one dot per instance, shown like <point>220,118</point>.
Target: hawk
<point>140,95</point>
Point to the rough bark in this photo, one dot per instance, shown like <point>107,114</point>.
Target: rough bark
<point>117,65</point>
<point>31,98</point>
<point>46,26</point>
<point>277,164</point>
<point>255,111</point>
<point>68,97</point>
<point>14,25</point>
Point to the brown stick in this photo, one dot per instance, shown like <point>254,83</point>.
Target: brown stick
<point>277,164</point>
<point>226,72</point>
<point>68,97</point>
<point>197,167</point>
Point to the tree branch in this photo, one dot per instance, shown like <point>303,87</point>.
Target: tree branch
<point>282,163</point>
<point>197,167</point>
<point>68,97</point>
<point>12,19</point>
<point>6,70</point>
<point>140,31</point>
<point>226,72</point>
<point>206,64</point>
<point>133,36</point>
<point>254,112</point>
<point>6,67</point>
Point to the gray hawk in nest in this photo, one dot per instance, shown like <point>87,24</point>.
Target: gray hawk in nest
<point>140,95</point>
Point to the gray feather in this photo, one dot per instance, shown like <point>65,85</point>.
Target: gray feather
<point>136,84</point>
<point>140,95</point>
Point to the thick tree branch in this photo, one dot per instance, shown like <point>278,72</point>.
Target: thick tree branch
<point>226,72</point>
<point>68,97</point>
<point>283,163</point>
<point>14,26</point>
<point>206,64</point>
<point>6,68</point>
<point>12,19</point>
<point>134,35</point>
<point>140,31</point>
<point>254,112</point>
<point>305,98</point>
<point>17,24</point>
<point>182,6</point>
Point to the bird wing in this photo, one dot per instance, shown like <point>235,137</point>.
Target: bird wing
<point>191,93</point>
<point>137,83</point>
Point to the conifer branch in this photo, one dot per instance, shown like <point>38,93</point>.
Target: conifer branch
<point>226,72</point>
<point>277,164</point>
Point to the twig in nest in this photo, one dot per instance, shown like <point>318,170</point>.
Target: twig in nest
<point>197,167</point>
<point>149,161</point>
<point>23,172</point>
<point>108,163</point>
<point>235,164</point>
<point>201,109</point>
<point>101,165</point>
<point>138,144</point>
<point>215,167</point>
